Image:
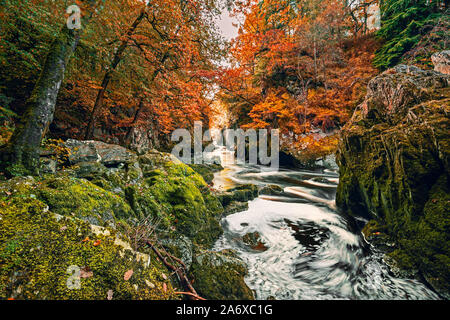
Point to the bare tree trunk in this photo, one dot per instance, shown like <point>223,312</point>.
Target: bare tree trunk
<point>21,155</point>
<point>109,73</point>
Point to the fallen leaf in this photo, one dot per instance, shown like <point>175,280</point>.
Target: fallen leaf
<point>110,294</point>
<point>86,272</point>
<point>86,239</point>
<point>149,284</point>
<point>165,287</point>
<point>97,243</point>
<point>163,275</point>
<point>128,275</point>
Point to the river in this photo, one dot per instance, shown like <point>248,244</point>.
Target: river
<point>310,251</point>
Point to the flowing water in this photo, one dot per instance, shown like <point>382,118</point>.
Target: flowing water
<point>308,250</point>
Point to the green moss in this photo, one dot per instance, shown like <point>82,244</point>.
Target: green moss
<point>184,196</point>
<point>36,251</point>
<point>220,276</point>
<point>397,176</point>
<point>207,171</point>
<point>80,198</point>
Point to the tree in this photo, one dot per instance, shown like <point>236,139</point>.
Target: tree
<point>401,27</point>
<point>21,154</point>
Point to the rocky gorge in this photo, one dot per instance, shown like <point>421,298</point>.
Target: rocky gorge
<point>394,169</point>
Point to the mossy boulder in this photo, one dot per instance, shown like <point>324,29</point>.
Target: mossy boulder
<point>45,256</point>
<point>220,276</point>
<point>207,171</point>
<point>243,193</point>
<point>394,165</point>
<point>76,202</point>
<point>82,199</point>
<point>271,190</point>
<point>69,196</point>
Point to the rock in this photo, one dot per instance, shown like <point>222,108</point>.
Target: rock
<point>97,151</point>
<point>328,162</point>
<point>89,169</point>
<point>253,240</point>
<point>118,194</point>
<point>220,276</point>
<point>207,171</point>
<point>271,190</point>
<point>179,246</point>
<point>81,151</point>
<point>394,168</point>
<point>441,61</point>
<point>235,207</point>
<point>391,94</point>
<point>243,193</point>
<point>57,244</point>
<point>154,159</point>
<point>48,165</point>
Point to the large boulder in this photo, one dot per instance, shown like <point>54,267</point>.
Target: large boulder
<point>394,164</point>
<point>97,151</point>
<point>50,256</point>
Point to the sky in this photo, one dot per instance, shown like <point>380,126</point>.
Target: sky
<point>226,26</point>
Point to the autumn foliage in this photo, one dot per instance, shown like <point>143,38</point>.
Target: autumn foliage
<point>157,57</point>
<point>298,65</point>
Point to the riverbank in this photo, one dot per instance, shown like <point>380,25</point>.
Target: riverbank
<point>89,226</point>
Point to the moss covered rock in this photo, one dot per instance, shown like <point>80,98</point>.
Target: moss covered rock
<point>45,256</point>
<point>394,166</point>
<point>87,215</point>
<point>220,276</point>
<point>207,171</point>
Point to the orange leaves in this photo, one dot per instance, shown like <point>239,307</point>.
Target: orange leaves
<point>96,243</point>
<point>298,68</point>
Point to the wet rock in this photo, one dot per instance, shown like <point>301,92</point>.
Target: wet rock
<point>235,207</point>
<point>271,190</point>
<point>394,168</point>
<point>220,276</point>
<point>441,61</point>
<point>253,240</point>
<point>207,171</point>
<point>243,193</point>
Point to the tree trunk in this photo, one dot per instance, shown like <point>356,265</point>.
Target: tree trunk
<point>109,73</point>
<point>135,121</point>
<point>21,154</point>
